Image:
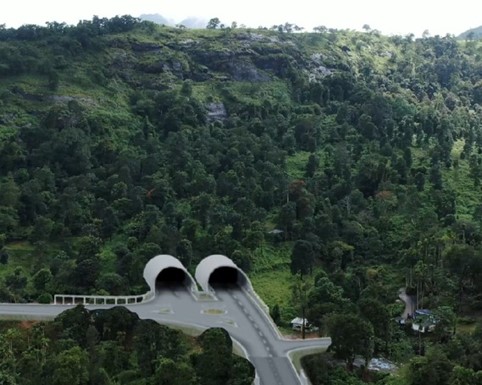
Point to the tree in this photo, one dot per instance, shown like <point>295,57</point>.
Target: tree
<point>242,371</point>
<point>242,259</point>
<point>320,29</point>
<point>300,290</point>
<point>112,283</point>
<point>432,369</point>
<point>213,23</point>
<point>275,314</point>
<point>217,347</point>
<point>8,362</point>
<point>42,229</point>
<point>152,341</point>
<point>74,323</point>
<point>446,322</point>
<point>377,314</point>
<point>9,192</point>
<point>4,256</point>
<point>169,372</point>
<point>302,258</point>
<point>17,280</point>
<point>419,180</point>
<point>287,217</point>
<point>312,165</point>
<point>325,298</point>
<point>7,378</point>
<point>464,376</point>
<point>110,222</point>
<point>184,252</point>
<point>86,272</point>
<point>116,324</point>
<point>350,335</point>
<point>254,236</point>
<point>70,367</point>
<point>42,279</point>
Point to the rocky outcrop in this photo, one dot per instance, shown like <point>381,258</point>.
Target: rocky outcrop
<point>145,47</point>
<point>216,112</point>
<point>237,65</point>
<point>246,71</point>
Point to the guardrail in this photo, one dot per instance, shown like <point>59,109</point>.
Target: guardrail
<point>70,299</point>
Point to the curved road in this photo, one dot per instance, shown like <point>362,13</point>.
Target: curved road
<point>410,303</point>
<point>234,309</point>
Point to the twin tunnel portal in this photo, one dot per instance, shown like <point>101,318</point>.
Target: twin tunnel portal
<point>172,277</point>
<point>234,306</point>
<point>214,272</point>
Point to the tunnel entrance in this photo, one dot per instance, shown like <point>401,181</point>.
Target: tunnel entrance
<point>172,278</point>
<point>226,277</point>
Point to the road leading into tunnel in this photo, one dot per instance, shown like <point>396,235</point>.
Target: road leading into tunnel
<point>233,308</point>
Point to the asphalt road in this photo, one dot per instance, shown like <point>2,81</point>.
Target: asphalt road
<point>234,309</point>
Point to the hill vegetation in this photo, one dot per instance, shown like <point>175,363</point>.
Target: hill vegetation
<point>121,139</point>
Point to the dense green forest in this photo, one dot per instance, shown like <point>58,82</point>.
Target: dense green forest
<point>121,139</point>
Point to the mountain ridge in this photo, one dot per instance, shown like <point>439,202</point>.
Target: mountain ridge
<point>190,22</point>
<point>472,33</point>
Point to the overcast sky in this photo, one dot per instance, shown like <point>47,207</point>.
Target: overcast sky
<point>388,16</point>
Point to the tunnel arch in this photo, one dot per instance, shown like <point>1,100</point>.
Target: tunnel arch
<point>218,269</point>
<point>168,269</point>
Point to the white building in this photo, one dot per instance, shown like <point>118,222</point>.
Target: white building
<point>297,323</point>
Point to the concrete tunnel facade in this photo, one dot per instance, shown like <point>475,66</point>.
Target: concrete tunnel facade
<point>214,264</point>
<point>163,263</point>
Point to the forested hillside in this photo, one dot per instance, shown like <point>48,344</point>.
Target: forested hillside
<point>121,139</point>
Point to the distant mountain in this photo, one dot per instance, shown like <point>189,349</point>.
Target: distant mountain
<point>190,22</point>
<point>193,22</point>
<point>158,19</point>
<point>475,32</point>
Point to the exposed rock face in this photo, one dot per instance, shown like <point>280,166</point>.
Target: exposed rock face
<point>237,65</point>
<point>246,71</point>
<point>317,70</point>
<point>145,47</point>
<point>318,73</point>
<point>67,98</point>
<point>216,112</point>
<point>278,64</point>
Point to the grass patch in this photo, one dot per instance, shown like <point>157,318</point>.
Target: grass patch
<point>274,287</point>
<point>271,276</point>
<point>267,258</point>
<point>214,311</point>
<point>467,324</point>
<point>296,164</point>
<point>20,255</point>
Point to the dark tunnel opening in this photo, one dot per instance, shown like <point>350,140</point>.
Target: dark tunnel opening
<point>171,278</point>
<point>224,277</point>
